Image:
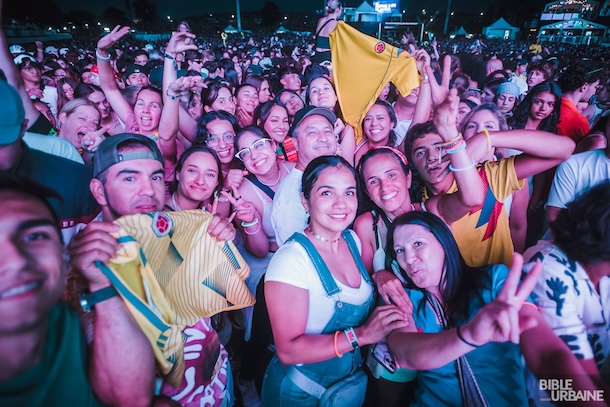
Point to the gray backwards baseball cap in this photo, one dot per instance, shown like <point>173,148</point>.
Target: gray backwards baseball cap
<point>107,153</point>
<point>12,114</point>
<point>309,110</point>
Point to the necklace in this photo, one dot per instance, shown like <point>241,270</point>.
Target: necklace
<point>279,175</point>
<point>317,236</point>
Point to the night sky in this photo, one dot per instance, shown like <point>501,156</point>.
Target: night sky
<point>178,9</point>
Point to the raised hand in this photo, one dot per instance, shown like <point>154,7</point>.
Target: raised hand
<point>94,243</point>
<point>234,178</point>
<point>221,228</point>
<point>177,43</point>
<point>440,91</point>
<point>92,139</point>
<point>107,41</point>
<point>445,116</point>
<point>422,59</point>
<point>499,320</point>
<point>185,83</point>
<point>243,210</point>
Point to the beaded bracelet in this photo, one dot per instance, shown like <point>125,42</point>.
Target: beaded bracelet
<point>168,56</point>
<point>457,148</point>
<point>452,143</point>
<point>459,335</point>
<point>452,168</point>
<point>101,58</point>
<point>173,97</point>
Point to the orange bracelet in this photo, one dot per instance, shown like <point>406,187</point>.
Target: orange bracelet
<point>531,305</point>
<point>335,343</point>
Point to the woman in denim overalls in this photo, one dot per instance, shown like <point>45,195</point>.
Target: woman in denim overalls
<point>319,294</point>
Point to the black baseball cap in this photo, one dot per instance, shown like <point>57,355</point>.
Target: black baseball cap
<point>309,110</point>
<point>107,153</point>
<point>134,68</point>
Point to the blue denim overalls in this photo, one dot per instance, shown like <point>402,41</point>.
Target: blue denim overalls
<point>279,390</point>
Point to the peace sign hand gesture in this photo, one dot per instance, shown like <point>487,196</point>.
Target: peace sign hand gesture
<point>440,90</point>
<point>243,210</point>
<point>499,320</point>
<point>221,228</point>
<point>107,41</point>
<point>92,139</point>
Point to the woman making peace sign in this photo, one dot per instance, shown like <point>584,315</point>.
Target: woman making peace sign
<point>473,324</point>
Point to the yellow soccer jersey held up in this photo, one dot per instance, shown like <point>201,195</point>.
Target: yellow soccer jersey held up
<point>171,273</point>
<point>362,66</point>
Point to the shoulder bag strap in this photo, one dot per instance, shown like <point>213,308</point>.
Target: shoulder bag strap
<point>265,188</point>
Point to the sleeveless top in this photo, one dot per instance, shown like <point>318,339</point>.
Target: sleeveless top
<point>267,207</point>
<point>323,42</point>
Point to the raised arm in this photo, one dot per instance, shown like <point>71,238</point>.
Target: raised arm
<point>541,150</point>
<point>471,193</point>
<point>107,81</point>
<point>122,366</point>
<point>13,77</point>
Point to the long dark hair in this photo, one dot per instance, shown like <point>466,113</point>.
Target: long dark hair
<point>522,112</point>
<point>460,285</point>
<point>316,166</point>
<point>198,148</point>
<point>202,131</point>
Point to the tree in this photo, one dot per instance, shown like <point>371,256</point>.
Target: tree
<point>270,14</point>
<point>113,16</point>
<point>145,10</point>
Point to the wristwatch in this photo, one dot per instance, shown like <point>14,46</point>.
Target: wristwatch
<point>88,300</point>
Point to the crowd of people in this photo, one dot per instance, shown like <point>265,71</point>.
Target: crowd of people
<point>336,221</point>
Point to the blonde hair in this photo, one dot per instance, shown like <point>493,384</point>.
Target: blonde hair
<point>331,6</point>
<point>74,104</point>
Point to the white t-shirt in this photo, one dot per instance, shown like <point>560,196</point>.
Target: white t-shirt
<point>291,265</point>
<point>578,174</point>
<point>401,129</point>
<point>49,96</point>
<point>288,214</point>
<point>53,145</point>
<point>570,304</point>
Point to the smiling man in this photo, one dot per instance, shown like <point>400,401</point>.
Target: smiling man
<point>313,135</point>
<point>42,346</point>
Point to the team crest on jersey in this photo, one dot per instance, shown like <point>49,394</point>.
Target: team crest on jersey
<point>379,47</point>
<point>162,224</point>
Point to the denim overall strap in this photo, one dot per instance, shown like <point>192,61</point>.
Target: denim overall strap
<point>353,248</point>
<point>326,277</point>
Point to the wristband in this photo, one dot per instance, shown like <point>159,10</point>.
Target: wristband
<point>168,56</point>
<point>335,344</point>
<point>87,301</point>
<point>452,143</point>
<point>253,233</point>
<point>350,334</point>
<point>472,165</point>
<point>247,225</point>
<point>461,338</point>
<point>172,97</point>
<point>101,58</point>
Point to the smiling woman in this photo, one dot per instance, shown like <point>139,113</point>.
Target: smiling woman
<point>314,271</point>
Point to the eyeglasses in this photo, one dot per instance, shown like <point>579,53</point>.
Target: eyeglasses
<point>246,153</point>
<point>199,61</point>
<point>30,67</point>
<point>213,140</point>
